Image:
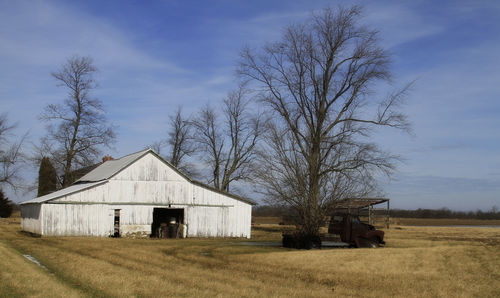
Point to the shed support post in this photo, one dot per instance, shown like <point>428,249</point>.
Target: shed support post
<point>388,216</point>
<point>370,214</point>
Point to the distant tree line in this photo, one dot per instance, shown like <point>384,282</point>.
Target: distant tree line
<point>271,211</point>
<point>493,213</point>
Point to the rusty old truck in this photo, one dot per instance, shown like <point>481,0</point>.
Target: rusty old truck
<point>348,227</point>
<point>354,232</point>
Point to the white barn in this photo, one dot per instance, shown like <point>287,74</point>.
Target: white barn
<point>136,194</point>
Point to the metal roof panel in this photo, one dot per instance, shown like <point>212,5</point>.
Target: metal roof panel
<point>111,167</point>
<point>63,192</point>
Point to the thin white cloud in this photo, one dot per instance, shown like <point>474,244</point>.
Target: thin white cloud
<point>36,37</point>
<point>41,33</point>
<point>399,24</point>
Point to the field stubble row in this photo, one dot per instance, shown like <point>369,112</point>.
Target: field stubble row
<point>417,261</point>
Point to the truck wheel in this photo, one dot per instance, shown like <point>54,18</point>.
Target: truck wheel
<point>368,243</point>
<point>374,243</point>
<point>363,243</point>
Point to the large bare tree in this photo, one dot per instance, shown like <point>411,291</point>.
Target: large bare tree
<point>320,81</point>
<point>11,157</point>
<point>77,127</point>
<point>228,145</point>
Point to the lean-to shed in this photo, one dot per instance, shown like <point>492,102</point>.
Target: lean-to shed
<point>140,194</point>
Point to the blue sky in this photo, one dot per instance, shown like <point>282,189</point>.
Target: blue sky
<point>155,55</point>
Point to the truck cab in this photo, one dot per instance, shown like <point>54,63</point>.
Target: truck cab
<point>354,232</point>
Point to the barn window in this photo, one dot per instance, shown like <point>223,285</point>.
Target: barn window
<point>117,223</point>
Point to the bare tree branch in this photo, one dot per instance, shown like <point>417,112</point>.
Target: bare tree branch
<point>11,157</point>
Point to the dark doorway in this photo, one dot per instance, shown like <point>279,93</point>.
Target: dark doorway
<point>167,223</point>
<point>116,232</point>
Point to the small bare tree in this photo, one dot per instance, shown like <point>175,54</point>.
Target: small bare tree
<point>179,143</point>
<point>78,127</point>
<point>319,81</point>
<point>158,146</point>
<point>180,140</point>
<point>228,146</point>
<point>11,157</point>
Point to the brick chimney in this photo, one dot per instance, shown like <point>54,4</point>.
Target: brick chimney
<point>106,158</point>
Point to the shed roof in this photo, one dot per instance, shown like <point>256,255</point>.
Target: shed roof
<point>358,203</point>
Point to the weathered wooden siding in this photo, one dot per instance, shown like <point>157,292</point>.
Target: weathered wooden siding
<point>97,220</point>
<point>77,220</point>
<point>30,218</point>
<point>144,185</point>
<point>153,192</point>
<point>208,222</point>
<point>148,168</point>
<point>227,218</point>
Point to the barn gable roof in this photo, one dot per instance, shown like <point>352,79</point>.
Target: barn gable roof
<point>111,168</point>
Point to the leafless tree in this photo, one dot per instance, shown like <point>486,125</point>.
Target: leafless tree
<point>180,140</point>
<point>229,145</point>
<point>319,81</point>
<point>179,143</point>
<point>78,127</point>
<point>11,157</point>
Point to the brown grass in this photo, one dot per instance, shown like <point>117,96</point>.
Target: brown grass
<point>417,261</point>
<point>267,219</point>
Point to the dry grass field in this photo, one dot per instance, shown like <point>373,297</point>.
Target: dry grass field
<point>417,262</point>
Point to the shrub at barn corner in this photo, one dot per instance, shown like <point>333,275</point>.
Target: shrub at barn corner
<point>47,178</point>
<point>5,205</point>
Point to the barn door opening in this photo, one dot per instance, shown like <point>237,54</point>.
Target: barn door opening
<point>116,232</point>
<point>167,223</point>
